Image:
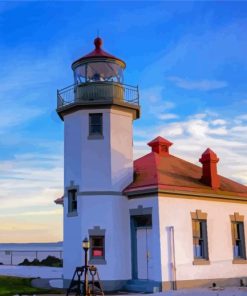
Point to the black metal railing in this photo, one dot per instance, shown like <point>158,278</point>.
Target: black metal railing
<point>97,91</point>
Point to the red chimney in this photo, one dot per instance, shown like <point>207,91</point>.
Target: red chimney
<point>209,169</point>
<point>160,146</point>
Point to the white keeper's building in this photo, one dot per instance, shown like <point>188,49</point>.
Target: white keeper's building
<point>158,222</point>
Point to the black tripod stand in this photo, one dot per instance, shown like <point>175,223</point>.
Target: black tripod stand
<point>85,281</point>
<point>79,287</point>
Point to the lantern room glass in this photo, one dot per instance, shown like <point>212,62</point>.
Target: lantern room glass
<point>98,72</point>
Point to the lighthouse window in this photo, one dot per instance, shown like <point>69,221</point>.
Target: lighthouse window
<point>200,244</point>
<point>200,237</point>
<point>72,201</point>
<point>238,240</point>
<point>95,124</point>
<point>97,247</point>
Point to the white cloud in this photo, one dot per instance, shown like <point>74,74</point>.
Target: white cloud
<point>204,85</point>
<point>242,117</point>
<point>30,229</point>
<point>167,116</point>
<point>15,116</point>
<point>153,95</point>
<point>239,128</point>
<point>30,182</point>
<point>155,104</point>
<point>37,212</point>
<point>31,179</point>
<point>198,116</point>
<point>26,86</point>
<point>218,122</point>
<point>205,57</point>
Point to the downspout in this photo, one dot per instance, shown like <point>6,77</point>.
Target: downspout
<point>173,260</point>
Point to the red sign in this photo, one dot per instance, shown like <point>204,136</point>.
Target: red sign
<point>97,253</point>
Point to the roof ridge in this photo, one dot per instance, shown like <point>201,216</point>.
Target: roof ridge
<point>155,155</point>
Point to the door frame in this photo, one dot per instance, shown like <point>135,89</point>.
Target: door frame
<point>134,215</point>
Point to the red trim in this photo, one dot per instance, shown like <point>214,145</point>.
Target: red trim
<point>98,52</point>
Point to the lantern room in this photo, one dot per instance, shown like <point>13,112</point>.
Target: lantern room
<point>98,81</point>
<point>98,66</point>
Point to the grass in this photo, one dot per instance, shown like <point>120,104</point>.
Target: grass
<point>10,286</point>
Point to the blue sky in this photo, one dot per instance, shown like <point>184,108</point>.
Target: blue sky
<point>188,58</point>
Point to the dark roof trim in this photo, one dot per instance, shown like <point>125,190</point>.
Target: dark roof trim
<point>70,108</point>
<point>145,192</point>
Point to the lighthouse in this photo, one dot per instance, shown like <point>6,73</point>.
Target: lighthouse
<point>156,223</point>
<point>98,112</point>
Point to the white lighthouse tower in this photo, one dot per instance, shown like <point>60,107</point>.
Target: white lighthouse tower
<point>98,111</point>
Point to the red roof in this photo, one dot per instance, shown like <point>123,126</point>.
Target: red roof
<point>159,172</point>
<point>98,52</point>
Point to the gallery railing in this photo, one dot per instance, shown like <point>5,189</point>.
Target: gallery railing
<point>100,91</point>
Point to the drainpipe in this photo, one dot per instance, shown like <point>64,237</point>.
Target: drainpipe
<point>173,263</point>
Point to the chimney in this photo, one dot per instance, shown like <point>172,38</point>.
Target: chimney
<point>209,169</point>
<point>160,145</point>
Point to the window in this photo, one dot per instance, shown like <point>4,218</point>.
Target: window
<point>238,240</point>
<point>97,249</point>
<point>97,245</point>
<point>95,124</point>
<point>72,200</point>
<point>200,237</point>
<point>200,245</point>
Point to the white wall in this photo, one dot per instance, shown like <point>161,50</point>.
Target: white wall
<point>72,250</point>
<point>176,212</point>
<point>110,213</point>
<point>121,149</point>
<point>99,165</point>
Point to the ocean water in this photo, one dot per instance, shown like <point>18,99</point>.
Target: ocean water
<point>13,254</point>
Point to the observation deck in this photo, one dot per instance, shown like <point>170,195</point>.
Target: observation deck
<point>98,93</point>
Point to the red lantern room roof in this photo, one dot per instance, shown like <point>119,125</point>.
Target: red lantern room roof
<point>97,54</point>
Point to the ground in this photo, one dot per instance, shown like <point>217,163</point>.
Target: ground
<point>16,285</point>
<point>10,286</point>
<point>196,292</point>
